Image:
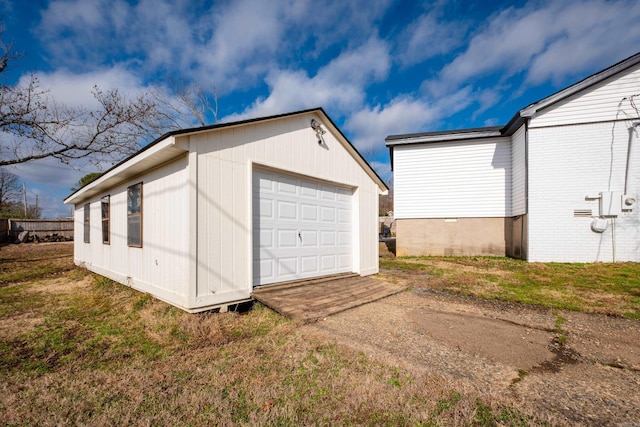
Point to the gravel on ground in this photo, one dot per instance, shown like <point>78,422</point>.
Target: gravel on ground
<point>566,367</point>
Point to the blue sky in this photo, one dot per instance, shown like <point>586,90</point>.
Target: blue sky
<point>377,67</point>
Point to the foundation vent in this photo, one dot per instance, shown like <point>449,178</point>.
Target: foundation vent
<point>584,213</point>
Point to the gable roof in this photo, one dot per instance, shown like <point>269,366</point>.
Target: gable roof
<point>520,117</point>
<point>165,148</point>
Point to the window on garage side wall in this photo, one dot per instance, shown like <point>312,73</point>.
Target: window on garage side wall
<point>104,207</point>
<point>87,227</point>
<point>134,215</point>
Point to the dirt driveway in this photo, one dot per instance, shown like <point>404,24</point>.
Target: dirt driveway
<point>565,367</point>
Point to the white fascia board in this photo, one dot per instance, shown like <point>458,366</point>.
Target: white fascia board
<point>146,159</point>
<point>457,136</point>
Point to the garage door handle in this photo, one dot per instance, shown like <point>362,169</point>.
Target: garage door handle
<point>300,236</point>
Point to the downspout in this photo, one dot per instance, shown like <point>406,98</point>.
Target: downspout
<point>525,217</point>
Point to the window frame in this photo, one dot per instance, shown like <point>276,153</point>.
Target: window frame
<point>132,216</point>
<point>86,221</point>
<point>106,219</point>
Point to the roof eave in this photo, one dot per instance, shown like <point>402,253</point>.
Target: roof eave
<point>532,109</point>
<point>427,138</point>
<point>151,156</point>
<point>165,148</point>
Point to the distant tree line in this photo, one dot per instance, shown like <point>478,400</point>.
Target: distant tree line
<point>12,198</point>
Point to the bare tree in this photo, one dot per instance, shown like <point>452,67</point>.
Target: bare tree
<point>34,126</point>
<point>11,193</point>
<point>185,105</point>
<point>6,51</point>
<point>9,187</point>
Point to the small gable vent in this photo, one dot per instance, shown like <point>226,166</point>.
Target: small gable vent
<point>582,213</point>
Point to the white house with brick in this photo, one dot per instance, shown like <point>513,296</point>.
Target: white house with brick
<point>559,182</point>
<point>201,216</point>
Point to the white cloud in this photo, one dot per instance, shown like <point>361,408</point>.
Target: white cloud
<point>587,34</point>
<point>539,42</point>
<point>75,89</point>
<point>339,85</point>
<point>382,168</point>
<point>228,45</point>
<point>402,115</point>
<point>506,43</point>
<point>429,35</point>
<point>556,40</point>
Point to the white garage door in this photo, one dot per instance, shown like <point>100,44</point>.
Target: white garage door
<point>301,228</point>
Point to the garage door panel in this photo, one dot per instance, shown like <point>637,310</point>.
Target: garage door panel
<point>328,193</point>
<point>344,238</point>
<point>287,185</point>
<point>328,262</point>
<point>265,183</point>
<point>287,211</point>
<point>309,264</point>
<point>265,209</point>
<point>344,216</point>
<point>328,238</point>
<point>344,195</point>
<point>308,212</point>
<point>309,190</point>
<point>266,270</point>
<point>328,214</point>
<point>302,228</point>
<point>287,239</point>
<point>344,261</point>
<point>287,267</point>
<point>309,239</point>
<point>266,239</point>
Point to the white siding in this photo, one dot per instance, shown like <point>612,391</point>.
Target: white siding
<point>225,161</point>
<point>197,208</point>
<point>566,164</point>
<point>605,101</point>
<point>453,179</point>
<point>518,171</point>
<point>161,265</point>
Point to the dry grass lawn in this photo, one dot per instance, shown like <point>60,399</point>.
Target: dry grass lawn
<point>608,288</point>
<point>77,349</point>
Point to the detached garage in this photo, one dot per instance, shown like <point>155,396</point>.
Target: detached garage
<point>201,216</point>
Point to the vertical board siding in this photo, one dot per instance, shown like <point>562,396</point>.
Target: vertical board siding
<point>225,163</point>
<point>603,102</point>
<point>567,164</point>
<point>518,171</point>
<point>197,211</point>
<point>161,265</point>
<point>453,179</point>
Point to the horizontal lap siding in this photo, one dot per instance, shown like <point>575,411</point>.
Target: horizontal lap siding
<point>456,179</point>
<point>604,102</point>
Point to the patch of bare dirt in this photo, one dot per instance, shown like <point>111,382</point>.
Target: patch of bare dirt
<point>583,372</point>
<point>62,285</point>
